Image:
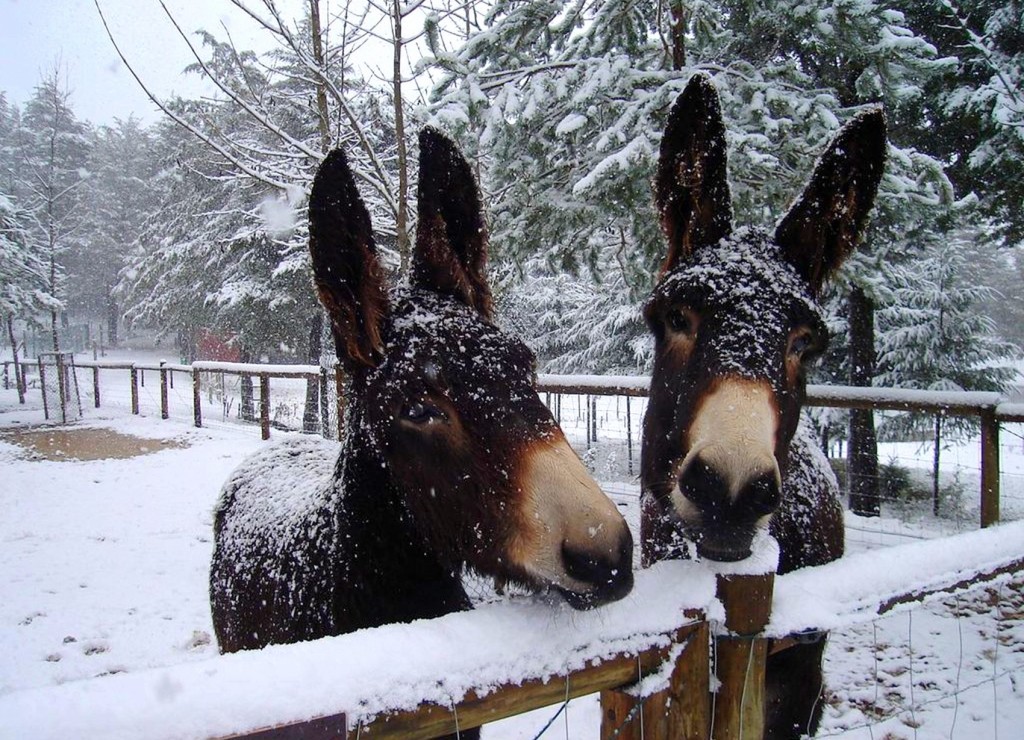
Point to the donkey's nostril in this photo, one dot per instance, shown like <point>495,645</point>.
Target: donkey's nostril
<point>762,494</point>
<point>702,485</point>
<point>585,566</point>
<point>609,574</point>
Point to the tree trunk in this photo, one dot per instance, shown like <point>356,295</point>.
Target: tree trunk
<point>111,320</point>
<point>53,293</point>
<point>862,460</point>
<point>323,113</point>
<point>935,464</point>
<point>402,221</point>
<point>247,408</point>
<point>311,413</point>
<point>677,27</point>
<point>19,379</point>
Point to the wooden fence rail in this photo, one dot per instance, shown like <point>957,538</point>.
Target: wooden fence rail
<point>990,408</point>
<point>342,687</point>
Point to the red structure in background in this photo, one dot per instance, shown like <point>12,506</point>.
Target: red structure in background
<point>210,346</point>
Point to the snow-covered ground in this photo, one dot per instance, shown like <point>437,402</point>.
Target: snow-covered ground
<point>103,570</point>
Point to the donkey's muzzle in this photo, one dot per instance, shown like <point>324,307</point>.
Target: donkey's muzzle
<point>726,514</point>
<point>720,501</point>
<point>609,574</point>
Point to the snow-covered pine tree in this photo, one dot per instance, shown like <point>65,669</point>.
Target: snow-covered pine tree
<point>978,108</point>
<point>574,323</point>
<point>24,288</point>
<point>50,175</point>
<point>933,338</point>
<point>567,101</point>
<point>118,203</point>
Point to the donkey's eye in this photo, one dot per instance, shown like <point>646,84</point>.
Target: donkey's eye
<point>800,343</point>
<point>682,321</point>
<point>422,413</point>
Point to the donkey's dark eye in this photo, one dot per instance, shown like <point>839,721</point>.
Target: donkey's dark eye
<point>682,321</point>
<point>800,343</point>
<point>421,413</point>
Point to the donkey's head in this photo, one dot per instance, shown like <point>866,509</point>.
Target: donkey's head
<point>736,323</point>
<point>444,403</point>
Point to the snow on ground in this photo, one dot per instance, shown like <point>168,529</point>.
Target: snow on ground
<point>103,570</point>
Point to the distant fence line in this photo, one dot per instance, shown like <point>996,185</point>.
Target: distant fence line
<point>990,408</point>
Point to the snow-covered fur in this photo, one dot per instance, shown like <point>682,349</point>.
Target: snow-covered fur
<point>736,323</point>
<point>450,458</point>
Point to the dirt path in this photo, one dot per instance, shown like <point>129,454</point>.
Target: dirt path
<point>54,443</point>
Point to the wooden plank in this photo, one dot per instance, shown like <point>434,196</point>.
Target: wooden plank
<point>265,405</point>
<point>42,386</point>
<point>989,469</point>
<point>135,390</point>
<point>339,400</point>
<point>333,727</point>
<point>1010,412</point>
<point>740,657</point>
<point>430,720</point>
<point>681,711</point>
<point>550,385</point>
<point>197,399</point>
<point>739,703</point>
<point>977,579</point>
<point>165,412</point>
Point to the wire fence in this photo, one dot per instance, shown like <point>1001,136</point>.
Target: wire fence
<point>946,669</point>
<point>602,418</point>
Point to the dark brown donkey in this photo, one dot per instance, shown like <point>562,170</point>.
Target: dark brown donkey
<point>736,323</point>
<point>450,459</point>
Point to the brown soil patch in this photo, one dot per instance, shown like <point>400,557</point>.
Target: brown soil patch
<point>85,444</point>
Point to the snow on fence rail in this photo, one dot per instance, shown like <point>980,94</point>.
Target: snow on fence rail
<point>649,655</point>
<point>989,408</point>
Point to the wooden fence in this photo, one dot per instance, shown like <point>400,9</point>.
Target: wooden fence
<point>714,634</point>
<point>990,408</point>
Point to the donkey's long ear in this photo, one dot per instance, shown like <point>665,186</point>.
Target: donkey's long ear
<point>451,237</point>
<point>822,227</point>
<point>345,267</point>
<point>691,189</point>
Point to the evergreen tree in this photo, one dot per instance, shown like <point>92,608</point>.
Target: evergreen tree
<point>50,176</point>
<point>118,204</point>
<point>934,339</point>
<point>977,108</point>
<point>24,290</point>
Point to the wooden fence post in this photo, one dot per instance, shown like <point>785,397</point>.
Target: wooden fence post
<point>197,399</point>
<point>265,406</point>
<point>164,410</point>
<point>42,386</point>
<point>135,389</point>
<point>629,438</point>
<point>62,393</point>
<point>325,412</point>
<point>740,657</point>
<point>679,712</point>
<point>96,386</point>
<point>339,400</point>
<point>989,468</point>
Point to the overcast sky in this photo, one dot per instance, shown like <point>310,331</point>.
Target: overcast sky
<point>34,34</point>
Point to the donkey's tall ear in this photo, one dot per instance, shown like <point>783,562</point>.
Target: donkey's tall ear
<point>691,189</point>
<point>347,274</point>
<point>451,237</point>
<point>822,227</point>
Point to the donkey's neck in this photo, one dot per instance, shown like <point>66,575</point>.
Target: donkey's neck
<point>386,573</point>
